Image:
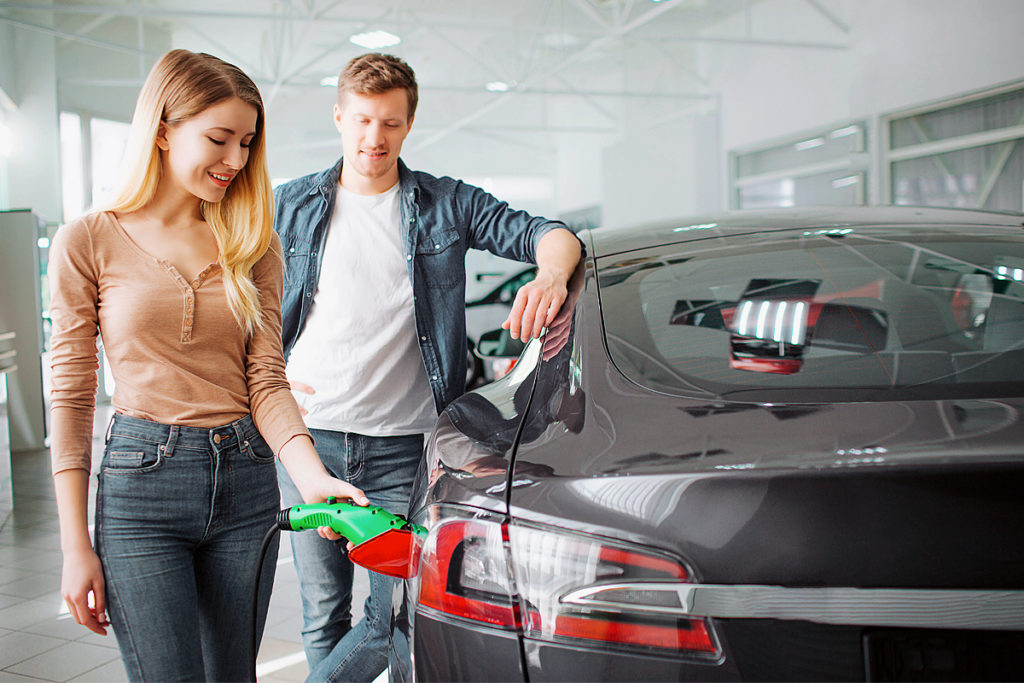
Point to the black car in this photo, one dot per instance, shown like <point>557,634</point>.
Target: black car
<point>767,446</point>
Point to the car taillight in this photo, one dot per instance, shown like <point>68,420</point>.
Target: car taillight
<point>463,573</point>
<point>558,586</point>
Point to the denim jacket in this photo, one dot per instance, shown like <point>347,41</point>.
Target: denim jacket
<point>440,219</point>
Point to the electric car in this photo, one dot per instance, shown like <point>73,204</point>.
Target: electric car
<point>783,445</point>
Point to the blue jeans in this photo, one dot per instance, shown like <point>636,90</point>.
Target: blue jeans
<point>384,468</point>
<point>180,515</point>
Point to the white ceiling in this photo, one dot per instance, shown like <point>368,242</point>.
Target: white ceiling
<point>578,70</point>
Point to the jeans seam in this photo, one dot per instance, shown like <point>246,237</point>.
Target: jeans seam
<point>368,634</point>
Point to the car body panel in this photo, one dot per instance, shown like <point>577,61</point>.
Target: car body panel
<point>916,494</point>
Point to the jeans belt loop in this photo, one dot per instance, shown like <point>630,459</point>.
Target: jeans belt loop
<point>239,434</point>
<point>110,426</point>
<point>172,438</point>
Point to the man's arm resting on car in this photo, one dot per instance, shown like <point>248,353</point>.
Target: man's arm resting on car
<point>538,301</point>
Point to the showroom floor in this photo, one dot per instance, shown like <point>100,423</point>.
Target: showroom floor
<point>38,639</point>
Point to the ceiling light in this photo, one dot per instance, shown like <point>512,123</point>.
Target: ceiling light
<point>329,81</point>
<point>373,40</point>
<point>497,86</point>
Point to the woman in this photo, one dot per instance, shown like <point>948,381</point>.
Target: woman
<point>181,276</point>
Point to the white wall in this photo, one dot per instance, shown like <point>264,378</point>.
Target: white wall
<point>34,164</point>
<point>901,53</point>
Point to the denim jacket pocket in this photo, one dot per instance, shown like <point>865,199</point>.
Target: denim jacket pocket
<point>441,263</point>
<point>296,267</point>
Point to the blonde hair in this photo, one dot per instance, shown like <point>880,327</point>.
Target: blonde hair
<point>181,85</point>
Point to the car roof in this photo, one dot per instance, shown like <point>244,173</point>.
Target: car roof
<point>604,241</point>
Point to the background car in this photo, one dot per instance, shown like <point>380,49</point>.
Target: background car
<point>488,313</point>
<point>770,446</point>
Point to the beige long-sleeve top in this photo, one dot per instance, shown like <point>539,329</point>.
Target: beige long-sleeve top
<point>174,348</point>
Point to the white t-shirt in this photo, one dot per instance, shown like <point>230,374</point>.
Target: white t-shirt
<point>358,348</point>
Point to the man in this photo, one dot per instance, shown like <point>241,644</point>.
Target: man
<point>375,332</point>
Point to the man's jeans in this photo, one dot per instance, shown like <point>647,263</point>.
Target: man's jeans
<point>384,468</point>
<point>180,515</point>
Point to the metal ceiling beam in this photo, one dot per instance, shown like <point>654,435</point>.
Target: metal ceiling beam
<point>541,76</point>
<point>587,9</point>
<point>825,12</point>
<point>224,52</point>
<point>74,37</point>
<point>546,92</point>
<point>475,26</point>
<point>93,24</point>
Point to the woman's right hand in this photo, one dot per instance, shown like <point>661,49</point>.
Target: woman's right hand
<point>81,578</point>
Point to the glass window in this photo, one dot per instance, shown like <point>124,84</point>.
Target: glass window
<point>72,165</point>
<point>831,189</point>
<point>826,167</point>
<point>108,139</point>
<point>963,154</point>
<point>833,314</point>
<point>986,114</point>
<point>988,177</point>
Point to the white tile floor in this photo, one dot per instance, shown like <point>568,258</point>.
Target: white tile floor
<point>38,639</point>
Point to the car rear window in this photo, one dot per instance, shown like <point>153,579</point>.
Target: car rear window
<point>822,314</point>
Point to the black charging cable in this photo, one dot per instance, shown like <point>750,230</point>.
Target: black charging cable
<point>281,523</point>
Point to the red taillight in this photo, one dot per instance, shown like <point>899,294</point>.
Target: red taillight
<point>449,584</point>
<point>686,634</point>
<point>531,578</point>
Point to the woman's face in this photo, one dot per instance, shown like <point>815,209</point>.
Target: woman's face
<point>203,154</point>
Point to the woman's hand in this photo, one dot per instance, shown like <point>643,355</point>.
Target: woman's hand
<point>314,483</point>
<point>82,578</point>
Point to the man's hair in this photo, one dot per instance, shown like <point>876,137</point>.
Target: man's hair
<point>375,73</point>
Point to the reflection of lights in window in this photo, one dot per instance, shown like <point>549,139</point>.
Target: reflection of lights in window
<point>805,145</point>
<point>846,181</point>
<point>1008,273</point>
<point>744,315</point>
<point>798,323</point>
<point>762,314</point>
<point>373,40</point>
<point>828,231</point>
<point>774,320</point>
<point>701,226</point>
<point>780,318</point>
<point>843,132</point>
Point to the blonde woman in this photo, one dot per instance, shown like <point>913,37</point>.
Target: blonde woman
<point>182,277</point>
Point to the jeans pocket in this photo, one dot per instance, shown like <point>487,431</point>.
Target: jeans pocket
<point>125,455</point>
<point>257,450</point>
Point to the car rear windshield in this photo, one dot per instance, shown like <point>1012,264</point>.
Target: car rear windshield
<point>822,314</point>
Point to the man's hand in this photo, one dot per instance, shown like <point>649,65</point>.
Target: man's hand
<point>302,389</point>
<point>538,302</point>
<point>536,305</point>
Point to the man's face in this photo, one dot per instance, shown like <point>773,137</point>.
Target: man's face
<point>373,128</point>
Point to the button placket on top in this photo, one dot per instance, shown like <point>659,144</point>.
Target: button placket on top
<point>188,291</point>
